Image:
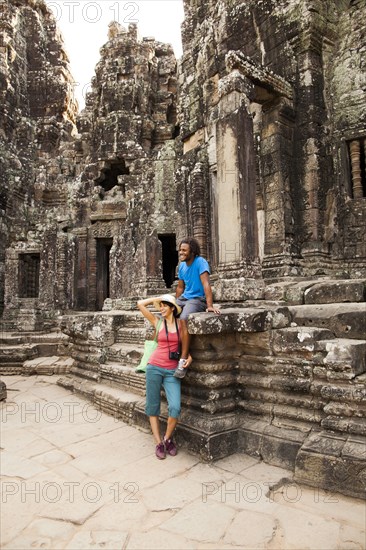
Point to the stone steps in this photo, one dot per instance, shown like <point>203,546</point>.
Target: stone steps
<point>19,349</point>
<point>11,338</point>
<point>123,376</point>
<point>130,335</point>
<point>48,365</point>
<point>115,401</point>
<point>125,353</point>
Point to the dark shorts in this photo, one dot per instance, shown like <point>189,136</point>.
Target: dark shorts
<point>194,305</point>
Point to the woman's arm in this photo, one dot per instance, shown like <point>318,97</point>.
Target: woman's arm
<point>141,304</point>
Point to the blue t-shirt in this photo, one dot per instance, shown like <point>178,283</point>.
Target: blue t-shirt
<point>190,274</point>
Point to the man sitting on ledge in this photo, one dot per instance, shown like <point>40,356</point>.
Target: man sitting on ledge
<point>194,292</point>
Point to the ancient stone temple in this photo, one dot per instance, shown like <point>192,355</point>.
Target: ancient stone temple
<point>254,142</point>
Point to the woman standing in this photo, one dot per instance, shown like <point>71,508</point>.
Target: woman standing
<point>163,362</point>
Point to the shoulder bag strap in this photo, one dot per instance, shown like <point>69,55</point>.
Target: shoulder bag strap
<point>157,329</point>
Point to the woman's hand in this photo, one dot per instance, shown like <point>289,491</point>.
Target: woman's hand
<point>188,361</point>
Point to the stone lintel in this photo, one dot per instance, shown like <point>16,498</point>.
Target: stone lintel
<point>236,82</point>
<point>109,216</point>
<point>236,60</point>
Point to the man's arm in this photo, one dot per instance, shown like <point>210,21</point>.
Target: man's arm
<point>205,280</point>
<point>180,288</point>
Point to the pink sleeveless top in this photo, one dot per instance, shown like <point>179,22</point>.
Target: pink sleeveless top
<point>160,356</point>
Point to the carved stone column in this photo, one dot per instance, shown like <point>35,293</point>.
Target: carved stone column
<point>355,152</point>
<point>199,207</point>
<point>235,191</point>
<point>81,269</point>
<point>148,262</point>
<point>11,278</point>
<point>276,152</point>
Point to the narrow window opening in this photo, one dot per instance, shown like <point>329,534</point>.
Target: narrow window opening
<point>29,265</point>
<point>103,271</point>
<point>3,201</point>
<point>110,174</point>
<point>171,114</point>
<point>170,258</point>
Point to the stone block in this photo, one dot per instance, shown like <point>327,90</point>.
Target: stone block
<point>322,442</point>
<point>238,320</point>
<point>320,462</point>
<point>292,369</point>
<point>210,379</point>
<point>344,320</point>
<point>298,340</point>
<point>212,345</point>
<point>277,446</point>
<point>255,344</point>
<point>329,292</point>
<point>344,356</point>
<point>239,289</point>
<point>357,426</point>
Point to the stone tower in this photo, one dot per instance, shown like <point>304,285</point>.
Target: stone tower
<point>96,201</point>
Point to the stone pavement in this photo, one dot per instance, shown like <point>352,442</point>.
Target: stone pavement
<point>73,477</point>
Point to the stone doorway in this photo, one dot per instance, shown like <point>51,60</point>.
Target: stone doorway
<point>29,265</point>
<point>169,258</point>
<point>103,271</point>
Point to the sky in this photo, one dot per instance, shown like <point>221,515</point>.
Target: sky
<point>84,26</point>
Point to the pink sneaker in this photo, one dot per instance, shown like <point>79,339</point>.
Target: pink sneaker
<point>170,447</point>
<point>160,451</point>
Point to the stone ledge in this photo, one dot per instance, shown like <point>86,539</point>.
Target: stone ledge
<point>239,320</point>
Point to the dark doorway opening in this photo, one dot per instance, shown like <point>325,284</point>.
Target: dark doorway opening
<point>103,272</point>
<point>29,265</point>
<point>170,258</point>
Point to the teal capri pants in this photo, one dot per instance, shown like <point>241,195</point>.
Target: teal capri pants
<point>156,378</point>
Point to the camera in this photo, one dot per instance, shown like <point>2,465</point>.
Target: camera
<point>174,355</point>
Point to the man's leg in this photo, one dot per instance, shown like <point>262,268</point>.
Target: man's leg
<point>195,305</point>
